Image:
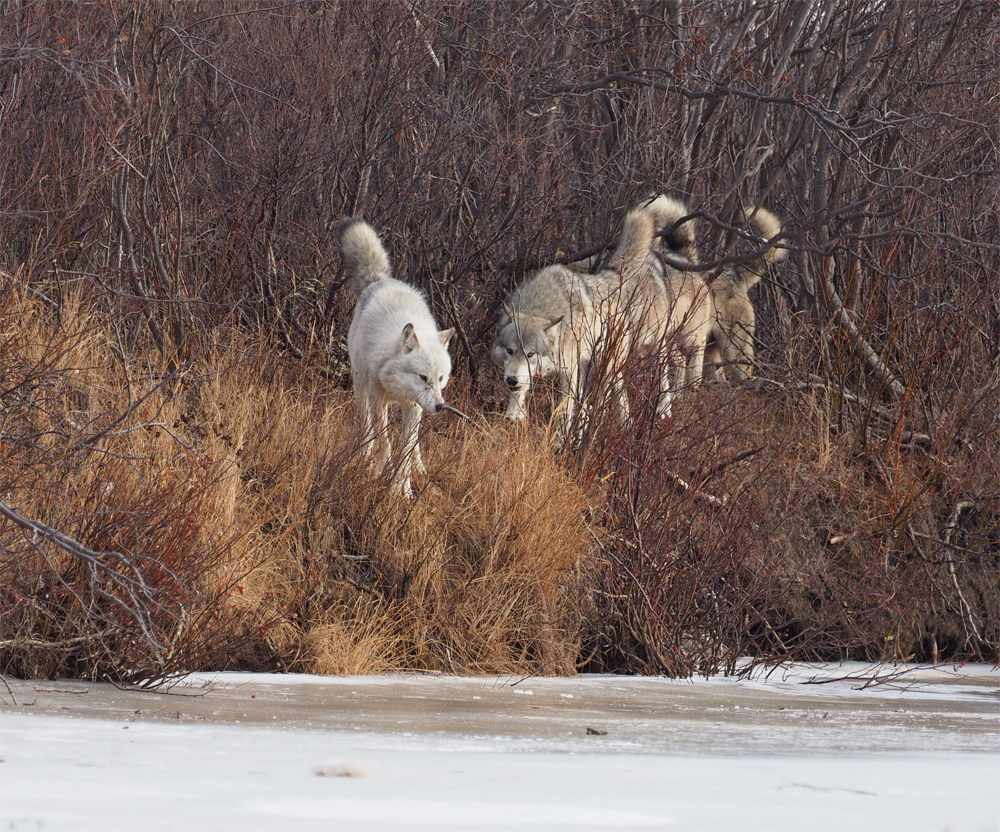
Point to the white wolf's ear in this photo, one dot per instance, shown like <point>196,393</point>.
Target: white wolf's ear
<point>408,342</point>
<point>508,311</point>
<point>552,327</point>
<point>445,335</point>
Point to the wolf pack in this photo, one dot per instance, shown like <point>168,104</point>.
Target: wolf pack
<point>578,324</point>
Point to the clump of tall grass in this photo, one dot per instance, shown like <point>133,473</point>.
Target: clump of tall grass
<point>236,487</point>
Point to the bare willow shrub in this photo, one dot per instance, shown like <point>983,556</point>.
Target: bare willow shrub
<point>89,455</point>
<point>173,173</point>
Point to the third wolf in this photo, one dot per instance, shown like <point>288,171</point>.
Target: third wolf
<point>731,348</point>
<point>670,306</point>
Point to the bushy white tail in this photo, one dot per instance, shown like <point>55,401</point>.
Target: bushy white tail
<point>365,258</point>
<point>765,225</point>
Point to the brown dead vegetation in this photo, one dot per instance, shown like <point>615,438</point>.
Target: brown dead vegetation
<point>265,541</point>
<point>181,480</point>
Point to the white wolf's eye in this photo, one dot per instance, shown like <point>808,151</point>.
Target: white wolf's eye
<point>423,377</point>
<point>529,355</point>
<point>441,379</point>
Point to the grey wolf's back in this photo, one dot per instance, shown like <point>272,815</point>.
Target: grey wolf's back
<point>557,291</point>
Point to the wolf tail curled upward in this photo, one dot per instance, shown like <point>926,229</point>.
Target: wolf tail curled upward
<point>365,258</point>
<point>641,227</point>
<point>765,225</point>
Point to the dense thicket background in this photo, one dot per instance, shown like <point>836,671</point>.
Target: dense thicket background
<point>173,381</point>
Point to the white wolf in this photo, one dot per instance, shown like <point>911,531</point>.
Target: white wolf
<point>397,353</point>
<point>731,347</point>
<point>554,322</point>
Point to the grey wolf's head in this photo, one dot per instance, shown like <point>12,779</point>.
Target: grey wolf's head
<point>420,368</point>
<point>524,349</point>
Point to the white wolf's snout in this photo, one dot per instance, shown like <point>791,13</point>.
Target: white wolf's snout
<point>431,401</point>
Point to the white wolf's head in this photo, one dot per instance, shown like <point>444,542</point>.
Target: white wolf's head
<point>420,369</point>
<point>524,349</point>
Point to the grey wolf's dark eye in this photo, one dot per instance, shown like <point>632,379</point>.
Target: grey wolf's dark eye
<point>529,355</point>
<point>423,377</point>
<point>510,351</point>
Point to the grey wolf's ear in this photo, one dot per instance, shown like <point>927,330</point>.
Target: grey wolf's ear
<point>550,327</point>
<point>445,335</point>
<point>508,311</point>
<point>408,342</point>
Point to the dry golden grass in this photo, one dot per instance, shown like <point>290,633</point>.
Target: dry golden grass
<point>237,487</point>
<point>485,563</point>
<point>238,484</point>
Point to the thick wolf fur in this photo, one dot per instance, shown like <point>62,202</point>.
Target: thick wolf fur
<point>555,321</point>
<point>397,354</point>
<point>671,309</point>
<point>730,350</point>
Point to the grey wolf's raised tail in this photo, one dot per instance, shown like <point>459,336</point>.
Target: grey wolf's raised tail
<point>365,258</point>
<point>641,226</point>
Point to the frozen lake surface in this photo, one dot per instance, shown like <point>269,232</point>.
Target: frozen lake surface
<point>806,748</point>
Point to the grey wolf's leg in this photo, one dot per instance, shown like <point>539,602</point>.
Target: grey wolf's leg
<point>739,351</point>
<point>695,363</point>
<point>570,389</point>
<point>668,375</point>
<point>516,410</point>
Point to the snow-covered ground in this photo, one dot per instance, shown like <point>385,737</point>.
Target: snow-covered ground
<point>806,748</point>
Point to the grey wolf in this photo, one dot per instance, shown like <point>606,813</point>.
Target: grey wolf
<point>398,355</point>
<point>731,350</point>
<point>553,324</point>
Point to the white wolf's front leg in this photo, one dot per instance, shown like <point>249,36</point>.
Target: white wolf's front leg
<point>368,426</point>
<point>410,447</point>
<point>380,424</point>
<point>418,459</point>
<point>375,419</point>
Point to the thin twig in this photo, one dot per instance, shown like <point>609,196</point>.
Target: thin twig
<point>100,565</point>
<point>6,685</point>
<point>457,412</point>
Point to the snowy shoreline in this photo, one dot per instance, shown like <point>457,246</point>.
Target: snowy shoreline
<point>805,747</point>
